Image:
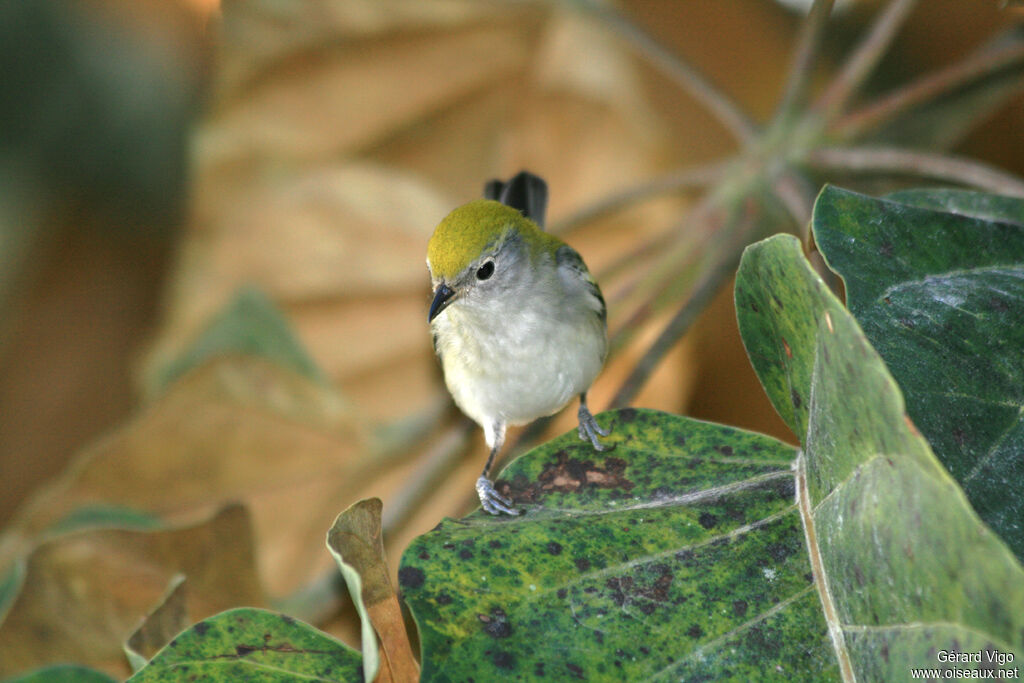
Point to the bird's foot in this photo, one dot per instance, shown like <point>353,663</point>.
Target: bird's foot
<point>491,500</point>
<point>590,431</point>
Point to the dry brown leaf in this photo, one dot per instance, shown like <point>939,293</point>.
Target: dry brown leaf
<point>167,619</point>
<point>236,428</point>
<point>84,592</point>
<point>356,539</point>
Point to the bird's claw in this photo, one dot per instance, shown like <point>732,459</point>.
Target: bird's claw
<point>589,430</point>
<point>491,500</point>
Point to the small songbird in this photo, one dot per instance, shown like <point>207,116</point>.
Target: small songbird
<point>518,322</point>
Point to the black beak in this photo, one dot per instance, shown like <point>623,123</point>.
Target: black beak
<point>442,297</point>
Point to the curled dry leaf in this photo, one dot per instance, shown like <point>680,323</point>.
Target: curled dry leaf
<point>83,593</point>
<point>233,429</point>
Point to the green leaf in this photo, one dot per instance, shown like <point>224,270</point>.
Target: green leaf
<point>249,644</point>
<point>906,567</point>
<point>105,515</point>
<point>936,279</point>
<point>677,555</point>
<point>250,325</point>
<point>63,673</point>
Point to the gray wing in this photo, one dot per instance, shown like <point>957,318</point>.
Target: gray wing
<point>568,258</point>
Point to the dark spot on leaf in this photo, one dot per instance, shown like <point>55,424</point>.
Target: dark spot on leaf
<point>739,607</point>
<point>858,574</point>
<point>496,623</point>
<point>644,650</point>
<point>466,554</point>
<point>504,660</point>
<point>754,308</point>
<point>582,564</point>
<point>448,545</point>
<point>444,599</point>
<point>244,650</point>
<point>779,551</point>
<point>538,669</point>
<point>494,543</point>
<point>562,592</point>
<point>795,398</point>
<point>887,300</point>
<point>554,548</point>
<point>647,607</point>
<point>724,450</point>
<point>569,474</point>
<point>784,488</point>
<point>174,643</point>
<point>590,589</point>
<point>201,628</point>
<point>680,440</point>
<point>685,556</point>
<point>627,414</point>
<point>998,305</point>
<point>287,619</point>
<point>695,631</point>
<point>906,322</point>
<point>707,520</point>
<point>959,436</point>
<point>778,302</point>
<point>575,670</point>
<point>599,637</point>
<point>885,249</point>
<point>424,555</point>
<point>785,348</point>
<point>411,577</point>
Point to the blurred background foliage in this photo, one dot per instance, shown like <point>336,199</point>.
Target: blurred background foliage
<point>213,220</point>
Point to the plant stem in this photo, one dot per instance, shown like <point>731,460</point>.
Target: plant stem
<point>705,291</point>
<point>918,164</point>
<point>864,59</point>
<point>676,69</point>
<point>930,87</point>
<point>796,193</point>
<point>693,178</point>
<point>804,57</point>
<point>433,466</point>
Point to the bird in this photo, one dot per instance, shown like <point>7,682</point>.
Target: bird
<point>518,323</point>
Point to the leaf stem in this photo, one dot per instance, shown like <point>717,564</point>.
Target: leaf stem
<point>929,87</point>
<point>862,62</point>
<point>691,178</point>
<point>707,287</point>
<point>804,58</point>
<point>917,164</point>
<point>437,463</point>
<point>676,69</point>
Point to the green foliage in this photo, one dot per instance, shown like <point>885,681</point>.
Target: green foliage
<point>906,566</point>
<point>63,673</point>
<point>677,554</point>
<point>250,325</point>
<point>936,279</point>
<point>249,644</point>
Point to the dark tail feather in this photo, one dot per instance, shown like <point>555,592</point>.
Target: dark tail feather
<point>524,191</point>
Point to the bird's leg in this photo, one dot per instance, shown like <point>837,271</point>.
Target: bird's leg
<point>490,499</point>
<point>589,429</point>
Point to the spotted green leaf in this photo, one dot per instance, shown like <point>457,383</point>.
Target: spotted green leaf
<point>936,280</point>
<point>906,568</point>
<point>678,555</point>
<point>249,644</point>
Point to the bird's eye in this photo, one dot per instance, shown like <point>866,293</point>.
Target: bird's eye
<point>485,271</point>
